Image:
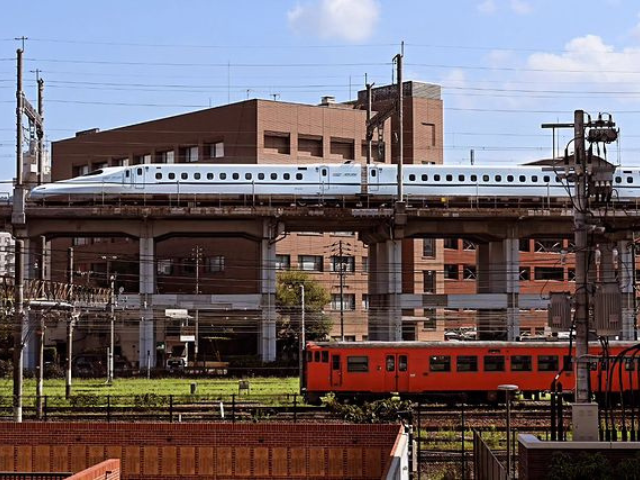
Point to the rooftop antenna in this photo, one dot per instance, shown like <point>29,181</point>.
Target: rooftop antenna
<point>472,156</point>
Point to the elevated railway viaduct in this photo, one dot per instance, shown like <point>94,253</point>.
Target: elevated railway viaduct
<point>496,228</point>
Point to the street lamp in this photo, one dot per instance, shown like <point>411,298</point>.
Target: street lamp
<point>507,389</point>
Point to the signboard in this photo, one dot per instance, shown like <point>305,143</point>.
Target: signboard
<point>187,338</point>
<point>177,313</point>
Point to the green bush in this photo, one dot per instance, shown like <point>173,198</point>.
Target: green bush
<point>149,400</point>
<point>379,411</point>
<point>6,368</point>
<point>586,466</point>
<point>84,400</point>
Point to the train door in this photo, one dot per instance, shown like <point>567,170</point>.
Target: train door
<point>336,370</point>
<point>139,177</point>
<point>396,372</point>
<point>324,178</point>
<point>374,179</point>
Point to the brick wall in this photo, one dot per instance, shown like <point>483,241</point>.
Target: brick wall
<point>161,451</point>
<point>107,470</point>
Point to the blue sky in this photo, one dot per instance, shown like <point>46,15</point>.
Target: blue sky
<point>506,66</point>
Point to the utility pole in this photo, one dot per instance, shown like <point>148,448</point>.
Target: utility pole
<point>70,322</point>
<point>198,252</point>
<point>18,323</point>
<point>112,318</point>
<point>41,326</point>
<point>369,87</point>
<point>302,337</point>
<point>399,58</point>
<point>584,176</point>
<point>40,130</point>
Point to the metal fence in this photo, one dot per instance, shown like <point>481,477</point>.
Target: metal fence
<point>486,465</point>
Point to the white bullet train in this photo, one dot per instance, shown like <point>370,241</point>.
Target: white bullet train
<point>324,181</point>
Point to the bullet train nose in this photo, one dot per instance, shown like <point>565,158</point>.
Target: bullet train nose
<point>38,192</point>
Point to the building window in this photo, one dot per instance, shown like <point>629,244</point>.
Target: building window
<point>451,272</point>
<point>215,264</point>
<point>310,263</point>
<point>283,262</point>
<point>429,277</point>
<point>549,273</point>
<point>525,274</point>
<point>548,246</point>
<point>164,266</point>
<point>430,133</point>
<point>343,264</point>
<point>189,154</point>
<point>215,149</point>
<point>430,319</point>
<point>310,145</point>
<point>142,159</point>
<point>571,274</point>
<point>524,245</point>
<point>80,170</point>
<point>166,157</point>
<point>342,148</point>
<point>365,265</point>
<point>121,162</point>
<point>348,301</point>
<point>429,247</point>
<point>365,301</point>
<point>277,142</point>
<point>451,243</point>
<point>82,241</point>
<point>468,245</point>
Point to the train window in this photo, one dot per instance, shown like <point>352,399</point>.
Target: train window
<point>317,357</point>
<point>509,178</point>
<point>522,178</point>
<point>172,176</point>
<point>629,364</point>
<point>286,176</point>
<point>618,179</point>
<point>412,178</point>
<point>223,176</point>
<point>474,178</point>
<point>534,178</point>
<point>358,364</point>
<point>402,363</point>
<point>209,176</point>
<point>485,178</point>
<point>336,362</point>
<point>467,363</point>
<point>184,176</point>
<point>298,176</point>
<point>261,176</point>
<point>274,176</point>
<point>325,357</point>
<point>139,171</point>
<point>557,179</point>
<point>436,178</point>
<point>425,177</point>
<point>391,363</point>
<point>449,178</point>
<point>373,173</point>
<point>196,176</point>
<point>546,179</point>
<point>324,172</point>
<point>235,175</point>
<point>498,178</point>
<point>309,357</point>
<point>521,363</point>
<point>461,178</point>
<point>494,363</point>
<point>593,365</point>
<point>548,363</point>
<point>629,179</point>
<point>247,176</point>
<point>158,176</point>
<point>440,363</point>
<point>127,174</point>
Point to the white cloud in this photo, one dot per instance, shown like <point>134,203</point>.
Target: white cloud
<point>351,20</point>
<point>521,7</point>
<point>488,6</point>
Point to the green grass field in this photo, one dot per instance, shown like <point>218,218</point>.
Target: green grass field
<point>157,386</point>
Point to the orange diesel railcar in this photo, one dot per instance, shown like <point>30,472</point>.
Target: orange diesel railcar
<point>469,371</point>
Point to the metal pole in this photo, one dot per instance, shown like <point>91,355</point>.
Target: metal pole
<point>70,323</point>
<point>508,397</point>
<point>400,129</point>
<point>40,132</point>
<point>18,322</point>
<point>19,114</point>
<point>580,210</point>
<point>341,263</point>
<point>369,131</point>
<point>112,322</point>
<point>302,338</point>
<point>40,378</point>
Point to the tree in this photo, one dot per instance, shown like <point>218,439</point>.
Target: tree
<point>289,305</point>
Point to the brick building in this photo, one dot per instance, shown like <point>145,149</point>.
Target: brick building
<point>259,131</point>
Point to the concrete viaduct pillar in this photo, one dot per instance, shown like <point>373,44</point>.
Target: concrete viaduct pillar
<point>267,327</point>
<point>147,342</point>
<point>385,290</point>
<point>498,271</point>
<point>626,277</point>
